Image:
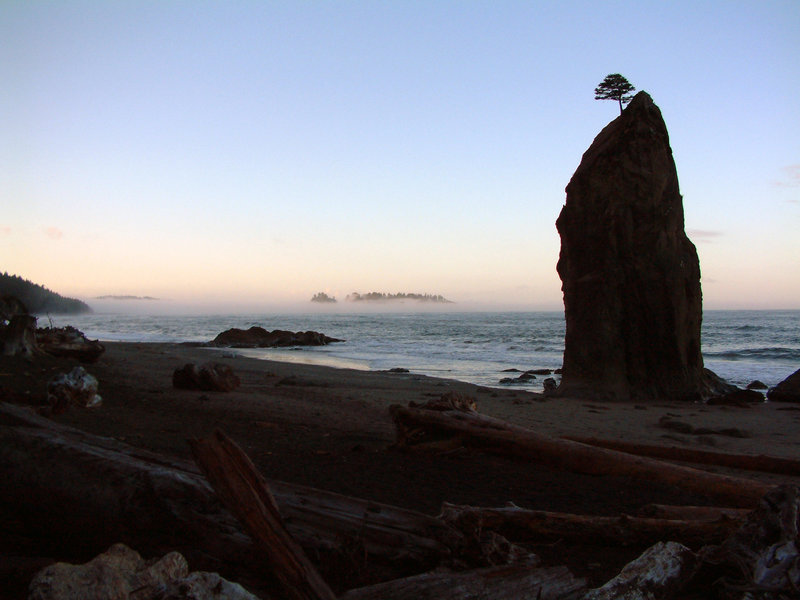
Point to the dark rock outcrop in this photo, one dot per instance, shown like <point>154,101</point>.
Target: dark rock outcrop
<point>258,337</point>
<point>787,390</point>
<point>630,276</point>
<point>209,377</point>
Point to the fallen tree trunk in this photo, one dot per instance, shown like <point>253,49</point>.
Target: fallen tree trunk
<point>245,492</point>
<point>747,462</point>
<point>415,425</point>
<point>519,524</point>
<point>497,583</point>
<point>75,492</point>
<point>692,513</point>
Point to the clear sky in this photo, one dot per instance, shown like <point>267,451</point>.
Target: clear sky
<point>259,152</point>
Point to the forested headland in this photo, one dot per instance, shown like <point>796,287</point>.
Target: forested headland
<point>38,299</point>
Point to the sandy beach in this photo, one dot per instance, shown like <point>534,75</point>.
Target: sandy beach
<point>330,429</point>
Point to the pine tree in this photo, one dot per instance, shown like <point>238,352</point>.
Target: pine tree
<point>614,87</point>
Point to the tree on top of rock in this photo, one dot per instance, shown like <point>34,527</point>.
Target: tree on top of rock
<point>614,87</point>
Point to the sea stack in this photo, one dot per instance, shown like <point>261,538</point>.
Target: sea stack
<point>630,276</point>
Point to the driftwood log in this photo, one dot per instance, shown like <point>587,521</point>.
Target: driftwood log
<point>762,558</point>
<point>692,513</point>
<point>747,462</point>
<point>415,425</point>
<point>495,583</point>
<point>246,494</point>
<point>69,342</point>
<point>64,490</point>
<point>522,525</point>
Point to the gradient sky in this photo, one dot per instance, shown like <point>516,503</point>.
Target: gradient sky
<point>259,152</point>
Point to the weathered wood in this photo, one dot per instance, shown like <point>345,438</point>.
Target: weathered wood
<point>71,490</point>
<point>519,524</point>
<point>493,435</point>
<point>495,583</point>
<point>692,513</point>
<point>68,342</point>
<point>658,574</point>
<point>761,559</point>
<point>246,494</point>
<point>18,338</point>
<point>747,462</point>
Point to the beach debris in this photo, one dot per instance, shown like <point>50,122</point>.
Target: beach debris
<point>208,377</point>
<point>120,573</point>
<point>761,559</point>
<point>498,583</point>
<point>747,462</point>
<point>549,526</point>
<point>692,513</point>
<point>61,472</point>
<point>246,494</point>
<point>69,342</point>
<point>18,337</point>
<point>787,390</point>
<point>630,275</point>
<point>449,401</point>
<point>415,425</point>
<point>258,337</point>
<point>76,388</point>
<point>667,422</point>
<point>99,476</point>
<point>294,380</point>
<point>659,573</point>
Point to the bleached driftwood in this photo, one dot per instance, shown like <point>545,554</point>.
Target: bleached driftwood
<point>415,425</point>
<point>658,574</point>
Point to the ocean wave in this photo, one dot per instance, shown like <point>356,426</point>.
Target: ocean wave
<point>757,354</point>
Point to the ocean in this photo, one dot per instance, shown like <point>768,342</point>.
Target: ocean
<point>477,347</point>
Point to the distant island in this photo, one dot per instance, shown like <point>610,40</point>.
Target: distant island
<point>38,299</point>
<point>323,298</point>
<point>115,297</point>
<point>381,297</point>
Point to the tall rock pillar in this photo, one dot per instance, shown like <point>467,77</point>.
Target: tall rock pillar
<point>630,276</point>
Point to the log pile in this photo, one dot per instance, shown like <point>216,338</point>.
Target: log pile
<point>67,488</point>
<point>417,427</point>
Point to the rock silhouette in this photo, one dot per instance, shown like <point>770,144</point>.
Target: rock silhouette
<point>630,275</point>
